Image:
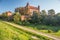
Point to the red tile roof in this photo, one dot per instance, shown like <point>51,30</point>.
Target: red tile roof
<point>32,7</point>
<point>8,12</point>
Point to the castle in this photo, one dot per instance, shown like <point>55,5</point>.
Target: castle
<point>27,11</point>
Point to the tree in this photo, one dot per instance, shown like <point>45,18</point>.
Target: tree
<point>34,18</point>
<point>4,16</point>
<point>43,12</point>
<point>58,14</point>
<point>51,12</point>
<point>16,17</point>
<point>42,16</point>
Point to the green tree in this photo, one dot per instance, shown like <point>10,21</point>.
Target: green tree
<point>16,17</point>
<point>35,18</point>
<point>4,16</point>
<point>51,12</point>
<point>58,14</point>
<point>42,16</point>
<point>43,12</point>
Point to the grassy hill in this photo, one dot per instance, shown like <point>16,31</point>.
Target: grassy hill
<point>7,33</point>
<point>54,30</point>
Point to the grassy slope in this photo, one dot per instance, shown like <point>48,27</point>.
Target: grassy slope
<point>7,33</point>
<point>55,30</point>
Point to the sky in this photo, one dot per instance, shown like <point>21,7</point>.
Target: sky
<point>10,5</point>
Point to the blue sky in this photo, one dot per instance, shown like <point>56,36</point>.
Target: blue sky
<point>10,5</point>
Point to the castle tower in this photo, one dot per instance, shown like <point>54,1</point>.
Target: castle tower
<point>38,8</point>
<point>27,4</point>
<point>27,8</point>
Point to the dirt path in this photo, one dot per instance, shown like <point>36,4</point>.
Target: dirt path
<point>32,31</point>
